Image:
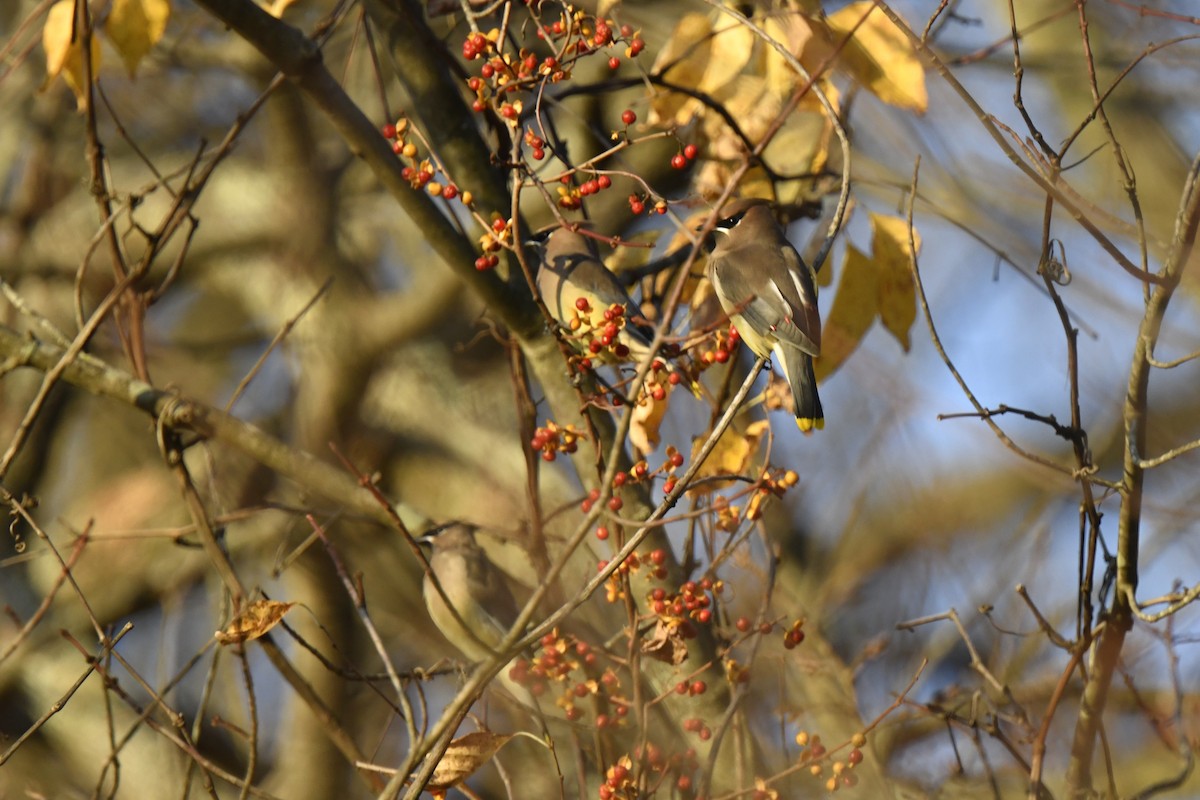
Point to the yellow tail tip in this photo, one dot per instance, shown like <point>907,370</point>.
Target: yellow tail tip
<point>809,424</point>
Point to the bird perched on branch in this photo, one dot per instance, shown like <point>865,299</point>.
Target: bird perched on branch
<point>474,587</point>
<point>578,290</point>
<point>770,294</point>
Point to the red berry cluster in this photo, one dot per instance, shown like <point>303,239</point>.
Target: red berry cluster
<point>674,461</point>
<point>841,773</point>
<point>418,173</point>
<point>618,781</point>
<point>599,333</point>
<point>724,347</point>
<point>696,725</point>
<point>682,159</point>
<point>564,661</point>
<point>637,204</point>
<point>794,635</point>
<point>657,767</point>
<point>536,145</point>
<point>768,487</point>
<point>552,439</point>
<point>692,602</point>
<point>491,242</point>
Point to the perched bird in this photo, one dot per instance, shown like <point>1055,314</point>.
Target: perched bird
<point>474,587</point>
<point>575,284</point>
<point>771,296</point>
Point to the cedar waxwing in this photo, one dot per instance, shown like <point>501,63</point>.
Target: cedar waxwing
<point>571,269</point>
<point>474,587</point>
<point>770,294</point>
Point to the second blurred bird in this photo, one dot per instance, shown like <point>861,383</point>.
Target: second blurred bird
<point>474,587</point>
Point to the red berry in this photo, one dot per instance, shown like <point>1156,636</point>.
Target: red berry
<point>678,161</point>
<point>602,533</point>
<point>636,46</point>
<point>689,151</point>
<point>604,181</point>
<point>538,154</point>
<point>628,117</point>
<point>582,304</point>
<point>499,224</point>
<point>450,192</point>
<point>614,62</point>
<point>743,624</point>
<point>487,71</point>
<point>389,131</point>
<point>677,461</point>
<point>615,503</point>
<point>698,687</point>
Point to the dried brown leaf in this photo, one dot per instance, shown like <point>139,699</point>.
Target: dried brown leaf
<point>256,619</point>
<point>464,756</point>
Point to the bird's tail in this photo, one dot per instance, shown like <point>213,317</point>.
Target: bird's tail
<point>797,367</point>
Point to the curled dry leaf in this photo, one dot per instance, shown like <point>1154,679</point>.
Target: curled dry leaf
<point>647,418</point>
<point>256,619</point>
<point>666,644</point>
<point>465,755</point>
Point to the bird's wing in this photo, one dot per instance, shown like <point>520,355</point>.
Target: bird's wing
<point>788,311</point>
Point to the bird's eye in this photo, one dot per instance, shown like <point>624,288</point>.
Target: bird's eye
<point>728,223</point>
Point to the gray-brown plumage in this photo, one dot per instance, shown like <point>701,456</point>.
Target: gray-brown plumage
<point>571,269</point>
<point>474,587</point>
<point>771,296</point>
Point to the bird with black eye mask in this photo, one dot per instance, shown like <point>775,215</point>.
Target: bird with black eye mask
<point>770,294</point>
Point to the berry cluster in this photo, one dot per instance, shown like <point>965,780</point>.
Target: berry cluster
<point>794,636</point>
<point>552,439</point>
<point>841,773</point>
<point>566,661</point>
<point>724,346</point>
<point>691,602</point>
<point>419,173</point>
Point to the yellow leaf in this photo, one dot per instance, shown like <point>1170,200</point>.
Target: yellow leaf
<point>731,456</point>
<point>465,755</point>
<point>256,619</point>
<point>703,56</point>
<point>879,56</point>
<point>897,293</point>
<point>135,26</point>
<point>277,8</point>
<point>854,309</point>
<point>64,49</point>
<point>792,31</point>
